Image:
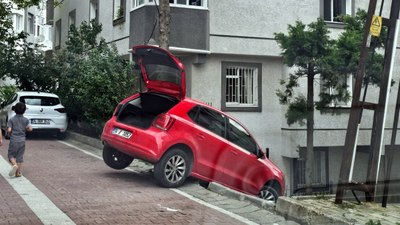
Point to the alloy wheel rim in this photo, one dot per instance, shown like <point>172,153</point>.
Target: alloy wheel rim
<point>175,169</point>
<point>267,196</point>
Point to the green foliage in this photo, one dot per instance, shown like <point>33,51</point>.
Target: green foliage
<point>5,11</point>
<point>372,222</point>
<point>349,49</point>
<point>93,78</point>
<point>307,48</point>
<point>297,111</point>
<point>28,68</point>
<point>6,92</point>
<point>310,50</point>
<point>9,40</point>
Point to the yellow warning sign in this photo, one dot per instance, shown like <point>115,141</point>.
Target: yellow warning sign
<point>376,26</point>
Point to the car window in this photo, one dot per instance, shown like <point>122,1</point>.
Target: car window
<point>39,100</point>
<point>163,73</point>
<point>239,136</point>
<point>209,119</point>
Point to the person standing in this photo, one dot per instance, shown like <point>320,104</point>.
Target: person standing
<point>17,127</point>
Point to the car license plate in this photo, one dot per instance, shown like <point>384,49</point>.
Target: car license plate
<point>122,133</point>
<point>40,121</point>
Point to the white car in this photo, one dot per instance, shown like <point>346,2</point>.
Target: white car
<point>44,111</point>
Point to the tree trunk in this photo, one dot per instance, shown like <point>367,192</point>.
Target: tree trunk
<point>309,160</point>
<point>164,24</point>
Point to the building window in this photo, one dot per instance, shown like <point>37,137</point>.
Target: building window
<point>331,91</point>
<point>57,35</point>
<point>30,26</point>
<point>334,8</point>
<point>18,22</point>
<point>72,18</point>
<point>94,10</point>
<point>241,86</point>
<point>119,10</point>
<point>320,172</point>
<point>190,3</point>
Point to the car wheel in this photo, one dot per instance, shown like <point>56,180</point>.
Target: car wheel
<point>173,168</point>
<point>61,135</point>
<point>269,194</point>
<point>116,159</point>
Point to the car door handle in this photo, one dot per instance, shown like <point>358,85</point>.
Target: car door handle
<point>200,136</point>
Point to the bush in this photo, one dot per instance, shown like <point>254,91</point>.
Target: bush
<point>93,78</point>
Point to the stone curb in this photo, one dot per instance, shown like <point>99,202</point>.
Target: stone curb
<point>94,142</point>
<point>215,187</point>
<point>292,209</point>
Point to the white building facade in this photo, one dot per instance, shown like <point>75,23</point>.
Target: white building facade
<point>227,43</point>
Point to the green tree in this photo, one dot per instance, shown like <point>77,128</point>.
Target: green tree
<point>10,41</point>
<point>311,52</point>
<point>92,76</point>
<point>28,68</point>
<point>307,48</point>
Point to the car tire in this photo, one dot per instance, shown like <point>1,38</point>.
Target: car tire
<point>116,159</point>
<point>269,194</point>
<point>61,135</point>
<point>173,168</point>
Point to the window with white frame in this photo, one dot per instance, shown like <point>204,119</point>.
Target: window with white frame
<point>201,3</point>
<point>18,22</point>
<point>119,9</point>
<point>94,10</point>
<point>334,8</point>
<point>241,89</point>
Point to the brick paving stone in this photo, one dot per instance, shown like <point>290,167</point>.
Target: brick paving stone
<point>89,192</point>
<point>13,209</point>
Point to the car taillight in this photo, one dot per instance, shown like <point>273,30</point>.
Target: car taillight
<point>163,122</point>
<point>61,110</point>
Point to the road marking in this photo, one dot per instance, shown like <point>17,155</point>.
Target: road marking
<point>235,216</point>
<point>38,202</point>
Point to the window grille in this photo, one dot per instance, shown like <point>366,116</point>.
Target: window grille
<point>201,3</point>
<point>241,86</point>
<point>320,181</point>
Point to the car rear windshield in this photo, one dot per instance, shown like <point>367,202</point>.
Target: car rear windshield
<point>40,100</point>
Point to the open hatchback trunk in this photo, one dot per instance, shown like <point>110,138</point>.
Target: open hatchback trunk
<point>164,77</point>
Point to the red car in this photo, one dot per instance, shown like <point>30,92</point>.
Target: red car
<point>183,137</point>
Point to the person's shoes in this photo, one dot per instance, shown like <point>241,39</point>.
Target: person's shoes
<point>18,174</point>
<point>13,170</point>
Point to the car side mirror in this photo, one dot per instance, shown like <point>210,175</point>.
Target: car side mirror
<point>267,152</point>
<point>12,108</point>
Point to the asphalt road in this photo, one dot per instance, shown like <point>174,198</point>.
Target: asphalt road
<point>65,182</point>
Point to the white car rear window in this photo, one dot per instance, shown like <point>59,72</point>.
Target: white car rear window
<point>40,100</point>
